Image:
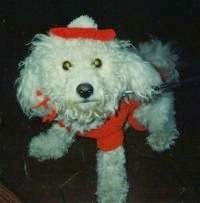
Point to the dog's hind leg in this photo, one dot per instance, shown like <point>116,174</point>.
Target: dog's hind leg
<point>112,186</point>
<point>52,144</point>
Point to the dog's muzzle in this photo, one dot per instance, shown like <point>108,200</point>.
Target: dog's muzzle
<point>85,90</point>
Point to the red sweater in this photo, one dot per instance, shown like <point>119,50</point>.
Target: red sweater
<point>110,135</point>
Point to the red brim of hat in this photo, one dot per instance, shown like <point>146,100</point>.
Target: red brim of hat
<point>85,33</point>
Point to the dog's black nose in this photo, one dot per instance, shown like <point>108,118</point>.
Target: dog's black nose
<point>85,90</point>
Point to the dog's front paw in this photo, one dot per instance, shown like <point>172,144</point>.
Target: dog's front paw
<point>42,148</point>
<point>161,141</point>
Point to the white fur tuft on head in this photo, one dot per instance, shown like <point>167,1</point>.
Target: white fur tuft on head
<point>83,21</point>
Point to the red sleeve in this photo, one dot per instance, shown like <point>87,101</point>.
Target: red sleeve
<point>136,124</point>
<point>131,118</point>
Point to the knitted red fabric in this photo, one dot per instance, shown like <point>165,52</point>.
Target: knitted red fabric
<point>85,33</point>
<point>110,135</point>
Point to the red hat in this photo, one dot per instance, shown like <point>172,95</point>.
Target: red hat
<point>83,27</point>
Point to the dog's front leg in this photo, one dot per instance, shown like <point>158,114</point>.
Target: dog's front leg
<point>52,144</point>
<point>159,116</point>
<point>112,186</point>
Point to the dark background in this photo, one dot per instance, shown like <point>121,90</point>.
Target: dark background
<point>173,176</point>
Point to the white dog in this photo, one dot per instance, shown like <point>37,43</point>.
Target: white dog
<point>76,77</point>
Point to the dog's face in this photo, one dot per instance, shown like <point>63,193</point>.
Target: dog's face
<point>85,79</point>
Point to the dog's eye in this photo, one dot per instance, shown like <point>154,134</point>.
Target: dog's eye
<point>66,65</point>
<point>97,63</point>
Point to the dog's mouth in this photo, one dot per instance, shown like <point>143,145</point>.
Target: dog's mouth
<point>84,101</point>
<point>85,104</point>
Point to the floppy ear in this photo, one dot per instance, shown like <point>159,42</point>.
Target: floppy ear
<point>28,84</point>
<point>141,76</point>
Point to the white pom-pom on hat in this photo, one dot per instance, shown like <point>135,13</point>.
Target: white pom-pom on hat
<point>83,21</point>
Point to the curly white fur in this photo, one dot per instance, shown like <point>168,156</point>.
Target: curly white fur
<point>52,144</point>
<point>162,57</point>
<point>112,180</point>
<point>122,69</point>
